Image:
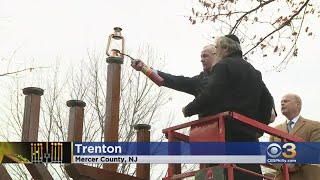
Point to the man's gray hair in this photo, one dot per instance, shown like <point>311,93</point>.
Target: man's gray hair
<point>298,100</point>
<point>228,43</point>
<point>211,47</point>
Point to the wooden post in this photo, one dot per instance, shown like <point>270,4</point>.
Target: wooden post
<point>4,175</point>
<point>143,135</point>
<point>111,127</point>
<point>30,128</point>
<point>76,114</point>
<point>30,125</point>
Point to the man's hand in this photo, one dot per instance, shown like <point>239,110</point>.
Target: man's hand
<point>183,111</point>
<point>137,65</point>
<point>273,116</point>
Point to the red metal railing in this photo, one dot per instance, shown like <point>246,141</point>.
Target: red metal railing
<point>174,170</point>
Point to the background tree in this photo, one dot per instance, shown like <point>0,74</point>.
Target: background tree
<point>264,26</point>
<point>141,102</point>
<point>9,69</point>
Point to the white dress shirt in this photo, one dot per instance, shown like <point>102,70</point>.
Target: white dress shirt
<point>294,120</point>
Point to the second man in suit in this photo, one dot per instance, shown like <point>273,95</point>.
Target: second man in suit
<point>296,125</point>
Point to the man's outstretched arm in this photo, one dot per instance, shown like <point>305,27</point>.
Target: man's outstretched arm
<point>180,83</point>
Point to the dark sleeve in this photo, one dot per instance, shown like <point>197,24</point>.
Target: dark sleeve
<point>180,83</point>
<point>273,106</point>
<point>218,83</point>
<point>269,101</point>
<point>266,104</point>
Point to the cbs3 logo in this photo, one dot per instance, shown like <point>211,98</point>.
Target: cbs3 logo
<point>288,150</point>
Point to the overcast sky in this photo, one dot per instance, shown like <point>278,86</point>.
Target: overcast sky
<point>42,31</point>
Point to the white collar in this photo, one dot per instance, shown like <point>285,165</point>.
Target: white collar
<point>294,120</point>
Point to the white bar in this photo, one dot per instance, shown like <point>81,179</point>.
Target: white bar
<point>257,159</point>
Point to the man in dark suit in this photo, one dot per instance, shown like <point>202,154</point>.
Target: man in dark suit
<point>234,85</point>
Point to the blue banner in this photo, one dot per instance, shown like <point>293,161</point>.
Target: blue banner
<point>302,153</point>
<point>164,148</point>
<point>161,152</point>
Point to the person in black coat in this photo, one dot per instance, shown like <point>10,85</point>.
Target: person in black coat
<point>234,85</point>
<point>190,85</point>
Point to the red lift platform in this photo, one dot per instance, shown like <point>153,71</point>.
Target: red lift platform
<point>212,129</point>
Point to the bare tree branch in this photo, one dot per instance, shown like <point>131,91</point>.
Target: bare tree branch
<point>286,23</point>
<point>19,71</point>
<point>267,25</point>
<point>232,31</point>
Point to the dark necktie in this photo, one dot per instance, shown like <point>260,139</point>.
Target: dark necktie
<point>289,125</point>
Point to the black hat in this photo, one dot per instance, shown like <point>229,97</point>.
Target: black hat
<point>233,37</point>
